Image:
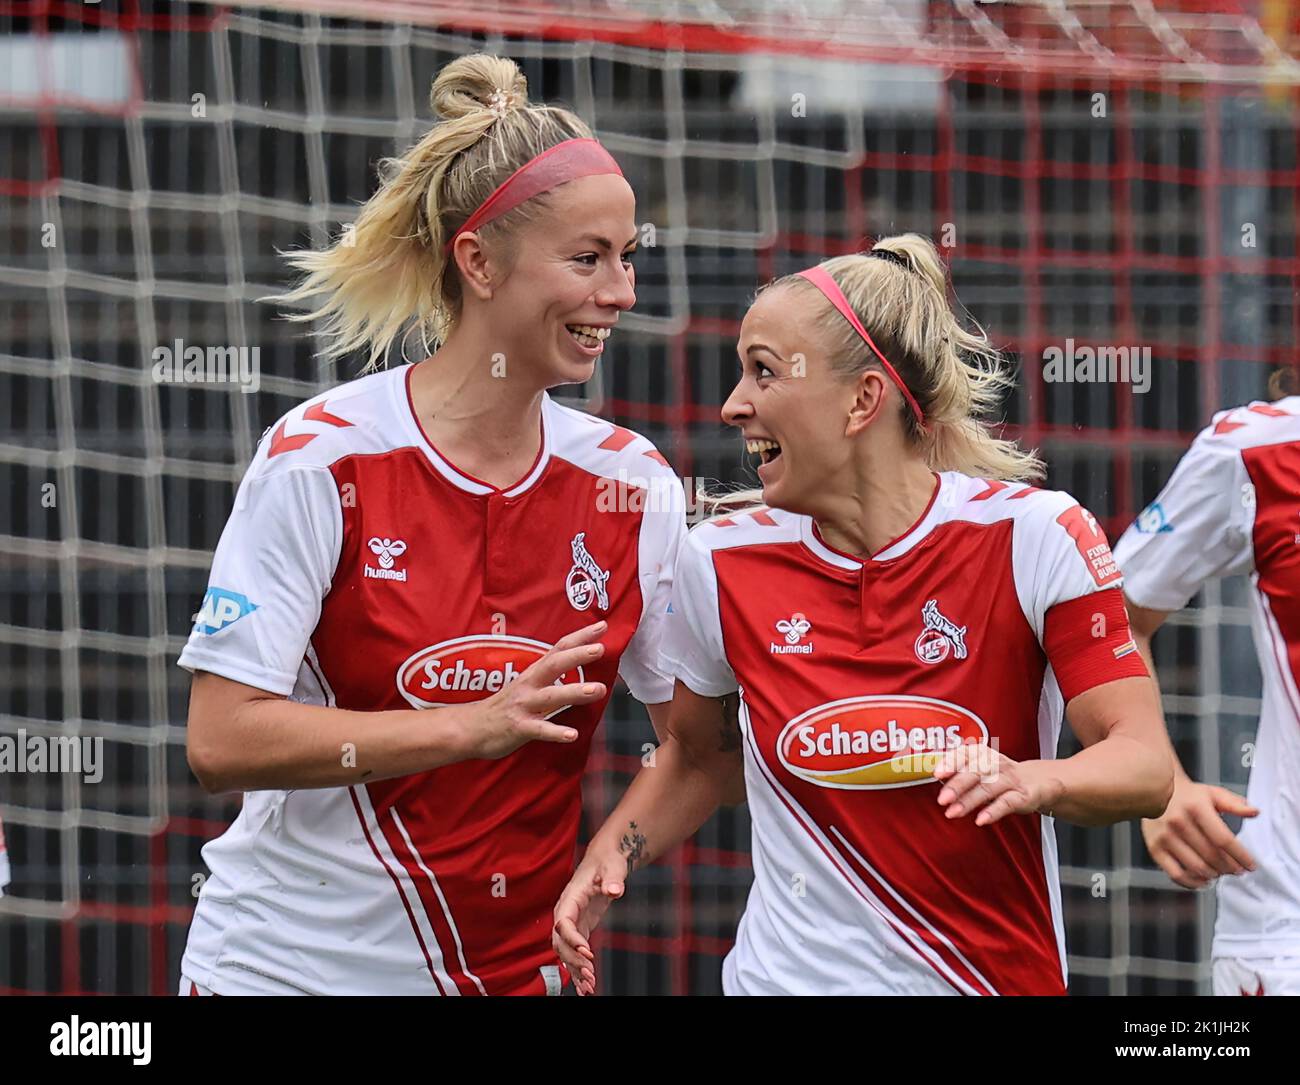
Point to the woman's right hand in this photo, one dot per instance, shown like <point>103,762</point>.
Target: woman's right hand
<point>1191,842</point>
<point>595,885</point>
<point>500,724</point>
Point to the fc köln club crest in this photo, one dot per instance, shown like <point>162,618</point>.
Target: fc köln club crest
<point>940,637</point>
<point>586,581</point>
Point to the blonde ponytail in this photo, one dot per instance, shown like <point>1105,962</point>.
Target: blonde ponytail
<point>387,274</point>
<point>954,373</point>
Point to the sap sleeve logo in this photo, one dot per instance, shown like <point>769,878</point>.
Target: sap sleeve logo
<point>1153,521</point>
<point>220,609</point>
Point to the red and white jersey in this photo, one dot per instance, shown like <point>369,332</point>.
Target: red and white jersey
<point>4,862</point>
<point>967,628</point>
<point>1232,506</point>
<point>361,569</point>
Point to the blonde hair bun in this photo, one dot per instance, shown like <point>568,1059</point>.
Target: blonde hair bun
<point>479,81</point>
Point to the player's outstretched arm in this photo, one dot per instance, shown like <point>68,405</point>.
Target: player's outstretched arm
<point>246,739</point>
<point>697,769</point>
<point>1190,841</point>
<point>1124,771</point>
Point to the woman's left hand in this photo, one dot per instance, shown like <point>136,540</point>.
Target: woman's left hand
<point>978,777</point>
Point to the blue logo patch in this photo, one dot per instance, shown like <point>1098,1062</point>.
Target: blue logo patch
<point>1152,520</point>
<point>221,608</point>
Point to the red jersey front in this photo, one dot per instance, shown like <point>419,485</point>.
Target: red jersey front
<point>852,676</point>
<point>362,570</point>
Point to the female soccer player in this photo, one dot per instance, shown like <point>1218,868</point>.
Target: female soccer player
<point>388,659</point>
<point>1229,508</point>
<point>886,650</point>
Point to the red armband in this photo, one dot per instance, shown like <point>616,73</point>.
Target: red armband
<point>1088,642</point>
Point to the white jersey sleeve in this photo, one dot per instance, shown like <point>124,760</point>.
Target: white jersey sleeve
<point>692,644</point>
<point>272,567</point>
<point>663,527</point>
<point>1198,528</point>
<point>1069,582</point>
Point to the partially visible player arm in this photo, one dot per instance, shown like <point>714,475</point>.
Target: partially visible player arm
<point>1198,528</point>
<point>696,769</point>
<point>658,714</point>
<point>241,738</point>
<point>1190,841</point>
<point>1125,769</point>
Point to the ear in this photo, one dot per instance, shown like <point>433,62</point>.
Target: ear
<point>871,394</point>
<point>472,261</point>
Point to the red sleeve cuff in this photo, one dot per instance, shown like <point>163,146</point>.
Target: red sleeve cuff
<point>1088,643</point>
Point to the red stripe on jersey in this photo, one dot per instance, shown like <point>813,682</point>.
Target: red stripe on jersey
<point>939,943</point>
<point>282,443</point>
<point>1225,425</point>
<point>1025,493</point>
<point>656,455</point>
<point>317,413</point>
<point>620,438</point>
<point>994,487</point>
<point>365,829</point>
<point>1267,411</point>
<point>1085,641</point>
<point>762,516</point>
<point>725,522</point>
<point>415,866</point>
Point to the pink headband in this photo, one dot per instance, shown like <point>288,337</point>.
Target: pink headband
<point>565,161</point>
<point>821,279</point>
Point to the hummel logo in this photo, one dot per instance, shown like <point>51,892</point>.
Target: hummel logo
<point>387,550</point>
<point>795,628</point>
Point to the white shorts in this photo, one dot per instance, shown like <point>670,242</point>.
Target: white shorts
<point>1256,975</point>
<point>189,987</point>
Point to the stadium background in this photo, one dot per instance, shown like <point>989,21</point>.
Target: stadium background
<point>1128,228</point>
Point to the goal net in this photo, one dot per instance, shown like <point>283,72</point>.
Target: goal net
<point>1110,174</point>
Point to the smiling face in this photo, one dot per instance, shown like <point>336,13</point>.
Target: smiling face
<point>790,405</point>
<point>569,278</point>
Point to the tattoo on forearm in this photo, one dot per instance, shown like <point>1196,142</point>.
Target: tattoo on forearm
<point>729,727</point>
<point>632,845</point>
